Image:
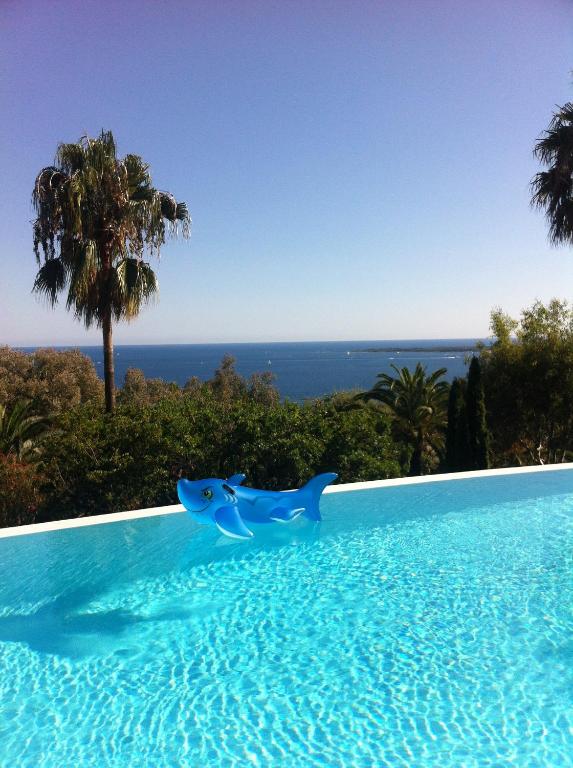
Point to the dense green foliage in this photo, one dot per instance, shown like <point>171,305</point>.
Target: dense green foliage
<point>528,383</point>
<point>98,216</point>
<point>103,463</point>
<point>457,454</point>
<point>20,494</point>
<point>467,434</point>
<point>478,434</point>
<point>96,462</point>
<point>51,380</point>
<point>417,403</point>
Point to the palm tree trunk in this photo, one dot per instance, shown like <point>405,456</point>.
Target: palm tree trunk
<point>108,370</point>
<point>416,460</point>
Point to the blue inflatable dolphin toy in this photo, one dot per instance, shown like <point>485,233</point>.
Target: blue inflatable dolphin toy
<point>228,505</point>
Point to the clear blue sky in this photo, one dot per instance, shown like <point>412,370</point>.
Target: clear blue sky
<point>355,170</point>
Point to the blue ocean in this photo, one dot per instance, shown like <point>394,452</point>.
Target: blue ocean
<point>301,369</point>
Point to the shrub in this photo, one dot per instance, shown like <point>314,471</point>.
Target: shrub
<point>51,380</point>
<point>19,492</point>
<point>528,383</point>
<point>99,463</point>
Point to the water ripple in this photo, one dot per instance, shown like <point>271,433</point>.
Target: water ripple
<point>426,631</point>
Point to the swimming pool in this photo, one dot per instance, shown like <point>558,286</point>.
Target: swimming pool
<point>417,625</point>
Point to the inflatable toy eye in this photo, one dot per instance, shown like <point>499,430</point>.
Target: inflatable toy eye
<point>208,493</point>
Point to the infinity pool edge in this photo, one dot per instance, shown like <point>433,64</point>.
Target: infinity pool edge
<point>114,517</point>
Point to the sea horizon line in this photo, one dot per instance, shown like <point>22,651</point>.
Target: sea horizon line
<point>76,345</point>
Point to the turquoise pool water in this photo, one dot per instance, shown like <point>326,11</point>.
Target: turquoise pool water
<point>427,625</point>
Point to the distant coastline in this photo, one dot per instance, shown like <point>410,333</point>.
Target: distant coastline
<point>429,348</point>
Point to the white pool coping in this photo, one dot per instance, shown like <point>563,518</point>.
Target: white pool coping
<point>136,514</point>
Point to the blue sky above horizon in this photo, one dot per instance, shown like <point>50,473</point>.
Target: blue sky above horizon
<point>353,170</point>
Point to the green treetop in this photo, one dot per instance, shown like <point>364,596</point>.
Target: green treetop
<point>417,403</point>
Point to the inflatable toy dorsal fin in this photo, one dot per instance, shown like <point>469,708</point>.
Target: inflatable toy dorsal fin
<point>237,479</point>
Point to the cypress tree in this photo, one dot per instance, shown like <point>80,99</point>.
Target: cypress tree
<point>457,439</point>
<point>476,417</point>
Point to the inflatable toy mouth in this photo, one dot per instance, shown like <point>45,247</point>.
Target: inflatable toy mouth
<point>198,511</point>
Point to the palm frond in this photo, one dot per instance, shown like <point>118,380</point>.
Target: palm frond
<point>22,431</point>
<point>83,271</point>
<point>168,205</point>
<point>47,182</point>
<point>51,279</point>
<point>135,284</point>
<point>182,213</point>
<point>552,189</point>
<point>138,179</point>
<point>71,158</point>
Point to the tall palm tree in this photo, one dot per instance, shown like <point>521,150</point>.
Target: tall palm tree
<point>22,432</point>
<point>552,189</point>
<point>98,216</point>
<point>417,403</point>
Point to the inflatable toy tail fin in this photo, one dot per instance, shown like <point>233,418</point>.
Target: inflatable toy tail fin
<point>311,493</point>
